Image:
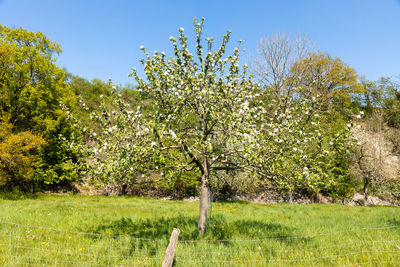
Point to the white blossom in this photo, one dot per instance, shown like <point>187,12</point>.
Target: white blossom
<point>172,134</point>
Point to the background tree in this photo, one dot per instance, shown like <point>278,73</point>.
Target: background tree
<point>391,101</point>
<point>275,59</point>
<point>90,94</point>
<point>33,92</point>
<point>327,79</point>
<point>284,66</point>
<point>370,98</point>
<point>378,153</point>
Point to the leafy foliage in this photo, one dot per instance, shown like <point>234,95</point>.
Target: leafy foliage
<point>33,93</point>
<point>327,79</point>
<point>19,156</point>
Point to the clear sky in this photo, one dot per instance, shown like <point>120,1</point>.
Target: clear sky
<point>101,39</point>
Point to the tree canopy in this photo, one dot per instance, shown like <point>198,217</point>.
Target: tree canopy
<point>327,79</point>
<point>33,93</point>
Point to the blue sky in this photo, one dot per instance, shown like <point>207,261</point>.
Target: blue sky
<point>101,39</point>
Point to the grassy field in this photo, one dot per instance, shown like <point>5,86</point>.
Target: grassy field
<point>129,231</point>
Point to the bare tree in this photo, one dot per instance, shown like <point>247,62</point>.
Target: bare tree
<point>275,59</point>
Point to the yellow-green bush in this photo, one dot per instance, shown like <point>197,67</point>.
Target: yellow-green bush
<point>19,155</point>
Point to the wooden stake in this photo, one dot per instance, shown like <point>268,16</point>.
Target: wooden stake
<point>170,252</point>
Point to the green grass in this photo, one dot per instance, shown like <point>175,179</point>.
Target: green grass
<point>129,231</point>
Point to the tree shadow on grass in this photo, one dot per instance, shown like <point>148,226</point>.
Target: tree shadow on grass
<point>394,222</point>
<point>16,195</point>
<point>241,202</point>
<point>251,235</point>
<point>219,228</point>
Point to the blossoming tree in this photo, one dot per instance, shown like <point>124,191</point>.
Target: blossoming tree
<point>208,117</point>
<point>210,113</point>
<point>203,107</point>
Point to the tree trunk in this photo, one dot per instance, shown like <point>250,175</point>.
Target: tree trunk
<point>365,188</point>
<point>204,196</point>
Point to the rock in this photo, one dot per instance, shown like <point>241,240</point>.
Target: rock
<point>360,200</point>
